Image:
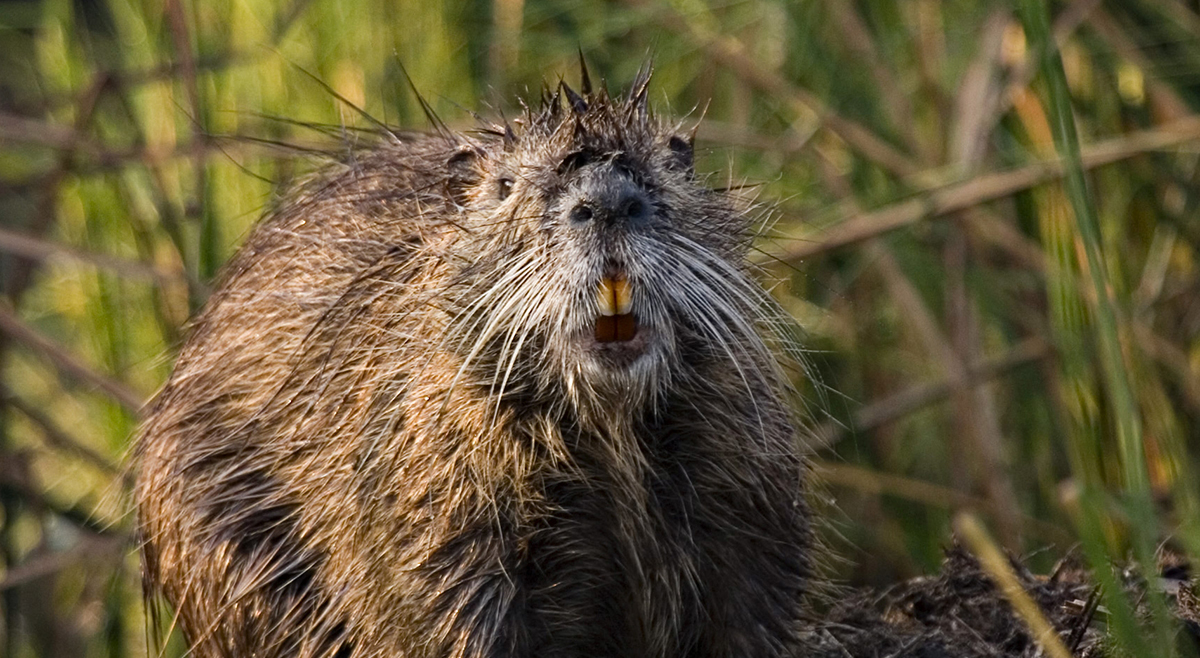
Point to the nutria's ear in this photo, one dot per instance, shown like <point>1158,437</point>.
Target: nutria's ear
<point>461,173</point>
<point>683,155</point>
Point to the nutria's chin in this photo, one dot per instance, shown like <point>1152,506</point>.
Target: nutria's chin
<point>624,354</point>
<point>503,394</point>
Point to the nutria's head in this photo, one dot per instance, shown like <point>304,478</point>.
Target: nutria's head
<point>593,262</point>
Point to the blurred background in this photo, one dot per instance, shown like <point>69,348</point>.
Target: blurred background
<point>999,319</point>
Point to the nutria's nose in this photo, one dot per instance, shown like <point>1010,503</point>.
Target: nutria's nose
<point>612,203</point>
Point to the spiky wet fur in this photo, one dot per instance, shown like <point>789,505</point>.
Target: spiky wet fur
<point>383,438</point>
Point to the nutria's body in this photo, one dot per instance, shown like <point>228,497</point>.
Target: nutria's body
<point>498,394</point>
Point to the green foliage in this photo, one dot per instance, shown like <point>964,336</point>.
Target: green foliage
<point>989,241</point>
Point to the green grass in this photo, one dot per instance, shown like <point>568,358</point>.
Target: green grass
<point>991,245</point>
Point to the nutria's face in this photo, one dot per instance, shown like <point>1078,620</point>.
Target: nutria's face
<point>611,230</point>
<point>609,269</point>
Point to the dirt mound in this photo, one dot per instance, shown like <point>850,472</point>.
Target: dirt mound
<point>960,613</point>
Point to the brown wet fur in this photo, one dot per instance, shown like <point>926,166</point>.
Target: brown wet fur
<point>388,434</point>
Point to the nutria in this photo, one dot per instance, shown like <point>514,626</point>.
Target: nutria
<point>503,393</point>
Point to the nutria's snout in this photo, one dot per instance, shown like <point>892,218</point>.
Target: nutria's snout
<point>608,201</point>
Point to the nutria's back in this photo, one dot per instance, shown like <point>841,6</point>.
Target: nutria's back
<point>507,393</point>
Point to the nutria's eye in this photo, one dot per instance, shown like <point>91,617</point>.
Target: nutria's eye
<point>504,188</point>
<point>581,214</point>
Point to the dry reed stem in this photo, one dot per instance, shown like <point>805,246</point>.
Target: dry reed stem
<point>36,248</point>
<point>986,188</point>
<point>868,481</point>
<point>70,365</point>
<point>997,566</point>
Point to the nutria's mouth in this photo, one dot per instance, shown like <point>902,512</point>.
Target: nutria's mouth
<point>617,337</point>
<point>616,323</point>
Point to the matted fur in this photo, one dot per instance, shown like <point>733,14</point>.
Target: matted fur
<point>389,436</point>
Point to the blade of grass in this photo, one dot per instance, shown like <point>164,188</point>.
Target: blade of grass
<point>1067,143</point>
<point>1139,504</point>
